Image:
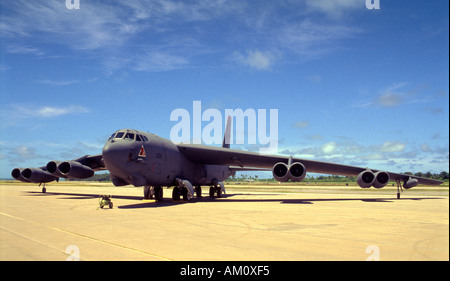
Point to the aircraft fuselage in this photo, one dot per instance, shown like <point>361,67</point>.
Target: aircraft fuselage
<point>144,159</point>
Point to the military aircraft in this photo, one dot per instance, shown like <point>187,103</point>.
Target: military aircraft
<point>144,159</point>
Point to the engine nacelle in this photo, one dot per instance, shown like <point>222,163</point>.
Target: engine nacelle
<point>410,183</point>
<point>76,170</point>
<point>280,172</point>
<point>37,175</point>
<point>297,171</point>
<point>365,179</point>
<point>17,174</point>
<point>381,179</point>
<point>52,168</point>
<point>294,172</point>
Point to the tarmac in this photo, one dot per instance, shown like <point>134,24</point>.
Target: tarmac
<point>325,223</point>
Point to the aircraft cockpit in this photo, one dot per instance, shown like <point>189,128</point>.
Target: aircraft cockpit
<point>129,135</point>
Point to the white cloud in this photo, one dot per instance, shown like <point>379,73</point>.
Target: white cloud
<point>21,112</point>
<point>23,49</point>
<point>392,96</point>
<point>58,83</point>
<point>301,124</point>
<point>310,38</point>
<point>255,59</point>
<point>392,147</point>
<point>329,148</point>
<point>159,61</point>
<point>399,94</point>
<point>176,31</point>
<point>91,27</point>
<point>335,8</point>
<point>48,111</point>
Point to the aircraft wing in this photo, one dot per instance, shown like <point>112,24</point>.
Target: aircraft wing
<point>244,159</point>
<point>95,162</point>
<point>80,168</point>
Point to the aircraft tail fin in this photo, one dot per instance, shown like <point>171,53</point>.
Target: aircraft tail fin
<point>227,136</point>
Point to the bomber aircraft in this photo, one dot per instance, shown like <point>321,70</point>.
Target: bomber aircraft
<point>144,159</point>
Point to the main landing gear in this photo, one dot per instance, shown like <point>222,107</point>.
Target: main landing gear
<point>184,188</point>
<point>217,190</point>
<point>399,188</point>
<point>151,192</point>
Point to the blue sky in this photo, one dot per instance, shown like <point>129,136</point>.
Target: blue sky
<point>351,85</point>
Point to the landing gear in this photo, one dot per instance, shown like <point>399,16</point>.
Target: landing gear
<point>399,188</point>
<point>198,191</point>
<point>151,192</point>
<point>44,190</point>
<point>185,189</point>
<point>176,193</point>
<point>158,193</point>
<point>217,190</point>
<point>148,192</point>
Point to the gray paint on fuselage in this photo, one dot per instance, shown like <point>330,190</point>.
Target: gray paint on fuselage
<point>162,164</point>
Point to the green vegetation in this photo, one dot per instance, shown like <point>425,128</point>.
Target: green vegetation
<point>444,176</point>
<point>104,177</point>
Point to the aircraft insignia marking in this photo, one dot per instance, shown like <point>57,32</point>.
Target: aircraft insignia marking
<point>142,152</point>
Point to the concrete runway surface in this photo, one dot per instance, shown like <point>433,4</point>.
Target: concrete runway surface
<point>318,223</point>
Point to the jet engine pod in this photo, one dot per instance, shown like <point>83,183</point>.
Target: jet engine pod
<point>410,183</point>
<point>283,172</point>
<point>52,168</point>
<point>17,174</point>
<point>76,170</point>
<point>37,175</point>
<point>365,179</point>
<point>381,179</point>
<point>297,171</point>
<point>280,172</point>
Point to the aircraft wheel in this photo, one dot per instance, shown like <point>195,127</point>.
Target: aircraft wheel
<point>185,194</point>
<point>211,192</point>
<point>44,190</point>
<point>219,192</point>
<point>147,192</point>
<point>198,191</point>
<point>158,193</point>
<point>176,194</point>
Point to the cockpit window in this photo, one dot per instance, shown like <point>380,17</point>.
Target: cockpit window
<point>119,135</point>
<point>129,136</point>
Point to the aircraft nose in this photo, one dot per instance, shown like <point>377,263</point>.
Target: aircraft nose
<point>115,155</point>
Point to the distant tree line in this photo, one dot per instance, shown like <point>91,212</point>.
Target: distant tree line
<point>333,178</point>
<point>441,176</point>
<point>95,177</point>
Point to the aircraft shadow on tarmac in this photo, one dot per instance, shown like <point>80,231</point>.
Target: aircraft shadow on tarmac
<point>228,198</point>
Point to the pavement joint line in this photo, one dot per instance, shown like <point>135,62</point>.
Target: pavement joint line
<point>83,236</point>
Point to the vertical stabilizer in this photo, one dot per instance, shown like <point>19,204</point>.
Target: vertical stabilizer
<point>227,136</point>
